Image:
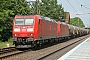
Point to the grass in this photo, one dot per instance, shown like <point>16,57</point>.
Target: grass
<point>4,44</point>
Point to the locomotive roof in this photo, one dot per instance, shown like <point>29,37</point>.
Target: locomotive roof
<point>63,23</point>
<point>47,18</point>
<point>42,17</point>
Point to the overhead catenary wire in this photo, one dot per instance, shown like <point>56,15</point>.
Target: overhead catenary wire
<point>85,6</point>
<point>74,9</point>
<point>80,6</point>
<point>82,11</point>
<point>72,6</point>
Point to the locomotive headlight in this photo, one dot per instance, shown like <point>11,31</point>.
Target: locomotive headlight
<point>29,29</point>
<point>30,34</point>
<point>17,29</point>
<point>15,34</point>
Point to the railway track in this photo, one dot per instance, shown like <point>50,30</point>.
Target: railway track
<point>10,53</point>
<point>7,50</point>
<point>42,54</point>
<point>52,54</point>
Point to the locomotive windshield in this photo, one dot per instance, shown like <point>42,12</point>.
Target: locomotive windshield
<point>22,21</point>
<point>29,21</point>
<point>19,22</point>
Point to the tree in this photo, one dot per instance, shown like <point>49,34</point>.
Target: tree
<point>8,9</point>
<point>50,8</point>
<point>77,22</point>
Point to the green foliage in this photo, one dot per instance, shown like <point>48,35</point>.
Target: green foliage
<point>77,22</point>
<point>51,9</point>
<point>8,9</point>
<point>4,44</point>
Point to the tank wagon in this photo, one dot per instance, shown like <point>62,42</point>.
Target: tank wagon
<point>32,30</point>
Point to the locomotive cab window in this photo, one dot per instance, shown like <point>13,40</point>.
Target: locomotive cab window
<point>22,21</point>
<point>29,21</point>
<point>19,21</point>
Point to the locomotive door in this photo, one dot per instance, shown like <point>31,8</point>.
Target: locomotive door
<point>40,28</point>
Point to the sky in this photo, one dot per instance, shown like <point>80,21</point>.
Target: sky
<point>75,8</point>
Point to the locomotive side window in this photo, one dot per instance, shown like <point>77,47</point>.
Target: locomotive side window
<point>19,21</point>
<point>29,21</point>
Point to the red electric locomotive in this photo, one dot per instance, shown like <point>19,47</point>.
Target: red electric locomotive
<point>31,30</point>
<point>63,30</point>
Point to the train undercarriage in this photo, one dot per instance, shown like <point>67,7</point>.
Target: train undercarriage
<point>30,43</point>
